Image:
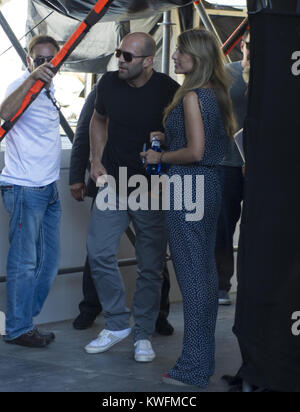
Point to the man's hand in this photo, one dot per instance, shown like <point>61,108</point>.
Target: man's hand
<point>97,170</point>
<point>78,191</point>
<point>12,103</point>
<point>43,73</point>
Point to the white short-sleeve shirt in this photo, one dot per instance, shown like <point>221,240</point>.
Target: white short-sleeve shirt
<point>33,145</point>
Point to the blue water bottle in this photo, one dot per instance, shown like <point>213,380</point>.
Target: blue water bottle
<point>155,169</point>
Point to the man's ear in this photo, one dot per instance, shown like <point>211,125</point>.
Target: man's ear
<point>242,46</point>
<point>148,61</point>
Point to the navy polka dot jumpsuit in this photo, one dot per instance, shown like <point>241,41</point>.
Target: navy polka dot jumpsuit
<point>192,243</point>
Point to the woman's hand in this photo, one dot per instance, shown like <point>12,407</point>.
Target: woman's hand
<point>159,136</point>
<point>151,157</point>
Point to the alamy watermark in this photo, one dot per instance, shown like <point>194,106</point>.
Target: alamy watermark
<point>2,324</point>
<point>296,324</point>
<point>187,193</point>
<point>296,65</point>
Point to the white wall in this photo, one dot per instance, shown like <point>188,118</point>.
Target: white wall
<point>66,294</point>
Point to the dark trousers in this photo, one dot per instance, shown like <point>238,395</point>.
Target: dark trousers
<point>90,303</point>
<point>232,184</point>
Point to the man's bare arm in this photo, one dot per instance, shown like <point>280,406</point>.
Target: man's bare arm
<point>98,139</point>
<point>12,103</point>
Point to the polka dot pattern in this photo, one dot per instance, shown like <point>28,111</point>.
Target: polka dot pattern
<point>192,244</point>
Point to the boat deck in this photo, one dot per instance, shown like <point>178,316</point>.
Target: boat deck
<point>65,367</point>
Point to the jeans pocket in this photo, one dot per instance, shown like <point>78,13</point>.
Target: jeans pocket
<point>8,198</point>
<point>55,195</point>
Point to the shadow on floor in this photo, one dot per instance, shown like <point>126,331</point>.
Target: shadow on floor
<point>65,367</point>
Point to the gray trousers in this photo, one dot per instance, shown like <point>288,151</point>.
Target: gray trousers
<point>104,235</point>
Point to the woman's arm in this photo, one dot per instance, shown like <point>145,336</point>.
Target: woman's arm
<point>194,133</point>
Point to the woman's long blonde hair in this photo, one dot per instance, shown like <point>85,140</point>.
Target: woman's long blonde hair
<point>208,68</point>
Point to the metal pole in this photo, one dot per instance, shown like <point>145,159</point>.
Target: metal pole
<point>263,4</point>
<point>235,37</point>
<point>208,24</point>
<point>122,263</point>
<point>21,52</point>
<point>13,39</point>
<point>166,41</point>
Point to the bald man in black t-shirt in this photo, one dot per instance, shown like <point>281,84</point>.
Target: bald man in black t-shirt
<point>90,306</point>
<point>129,106</point>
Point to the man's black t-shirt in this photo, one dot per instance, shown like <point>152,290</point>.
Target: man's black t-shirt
<point>133,114</point>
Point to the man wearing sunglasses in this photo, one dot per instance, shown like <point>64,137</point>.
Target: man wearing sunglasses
<point>90,306</point>
<point>129,106</point>
<point>30,196</point>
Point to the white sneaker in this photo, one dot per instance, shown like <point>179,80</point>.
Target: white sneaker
<point>106,340</point>
<point>224,298</point>
<point>143,351</point>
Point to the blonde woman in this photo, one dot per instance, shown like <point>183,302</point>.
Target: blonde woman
<point>198,125</point>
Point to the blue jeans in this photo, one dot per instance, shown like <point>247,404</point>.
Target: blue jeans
<point>33,257</point>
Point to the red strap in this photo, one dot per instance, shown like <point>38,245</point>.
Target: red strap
<point>238,33</point>
<point>65,49</point>
<point>100,6</point>
<point>36,88</point>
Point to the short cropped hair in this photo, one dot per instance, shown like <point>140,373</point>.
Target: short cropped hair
<point>41,39</point>
<point>150,47</point>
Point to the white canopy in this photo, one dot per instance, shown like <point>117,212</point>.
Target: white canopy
<point>233,3</point>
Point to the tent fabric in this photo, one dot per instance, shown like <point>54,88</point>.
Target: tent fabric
<point>118,11</point>
<point>95,51</point>
<point>269,258</point>
<point>94,54</point>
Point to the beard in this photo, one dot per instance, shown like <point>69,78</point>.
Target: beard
<point>131,74</point>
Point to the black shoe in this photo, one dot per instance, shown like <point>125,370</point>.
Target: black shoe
<point>84,321</point>
<point>31,339</point>
<point>163,327</point>
<point>49,336</point>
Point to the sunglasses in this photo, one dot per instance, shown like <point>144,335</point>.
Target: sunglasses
<point>128,57</point>
<point>38,61</point>
<point>248,44</point>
